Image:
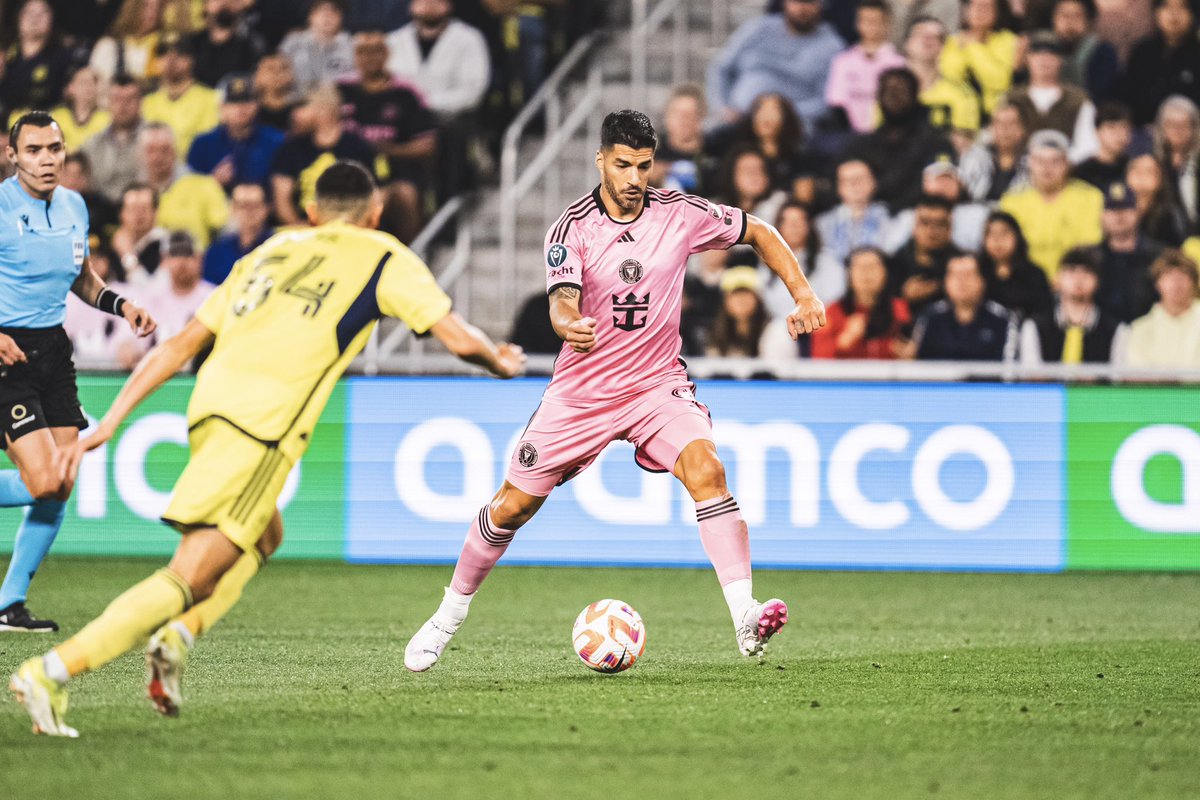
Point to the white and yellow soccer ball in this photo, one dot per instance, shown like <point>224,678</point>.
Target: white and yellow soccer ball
<point>609,636</point>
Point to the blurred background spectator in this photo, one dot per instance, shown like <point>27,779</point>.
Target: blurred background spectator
<point>114,151</point>
<point>1126,289</point>
<point>188,108</point>
<point>857,221</point>
<point>1114,134</point>
<point>985,52</point>
<point>322,52</point>
<point>187,201</point>
<point>1013,281</point>
<point>789,53</point>
<point>823,269</point>
<point>1169,336</point>
<point>249,216</point>
<point>1056,212</point>
<point>854,73</point>
<point>240,149</point>
<point>1090,63</point>
<point>867,321</point>
<point>742,319</point>
<point>917,270</point>
<point>80,115</point>
<point>1076,330</point>
<point>965,326</point>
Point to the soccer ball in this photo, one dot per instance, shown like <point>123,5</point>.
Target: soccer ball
<point>609,636</point>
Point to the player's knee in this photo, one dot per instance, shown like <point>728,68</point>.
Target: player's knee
<point>706,477</point>
<point>510,510</point>
<point>45,485</point>
<point>272,537</point>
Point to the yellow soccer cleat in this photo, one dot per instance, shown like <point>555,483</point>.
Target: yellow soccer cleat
<point>43,698</point>
<point>166,658</point>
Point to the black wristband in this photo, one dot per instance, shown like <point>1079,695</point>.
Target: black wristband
<point>110,302</point>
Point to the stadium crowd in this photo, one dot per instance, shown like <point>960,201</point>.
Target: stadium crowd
<point>197,127</point>
<point>965,180</point>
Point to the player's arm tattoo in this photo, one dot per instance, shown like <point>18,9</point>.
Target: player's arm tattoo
<point>566,292</point>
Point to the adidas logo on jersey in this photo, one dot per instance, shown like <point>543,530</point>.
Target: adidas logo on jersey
<point>626,237</point>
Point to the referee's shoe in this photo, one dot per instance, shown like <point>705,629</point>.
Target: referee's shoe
<point>17,619</point>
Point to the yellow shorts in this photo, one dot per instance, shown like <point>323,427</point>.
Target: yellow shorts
<point>231,482</point>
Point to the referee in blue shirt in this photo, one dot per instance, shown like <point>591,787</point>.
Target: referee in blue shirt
<point>43,255</point>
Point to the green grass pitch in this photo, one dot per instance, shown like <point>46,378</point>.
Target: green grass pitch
<point>884,685</point>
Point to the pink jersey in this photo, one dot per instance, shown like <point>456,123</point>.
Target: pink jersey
<point>631,278</point>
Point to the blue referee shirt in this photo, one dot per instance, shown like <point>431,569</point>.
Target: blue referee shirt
<point>42,247</point>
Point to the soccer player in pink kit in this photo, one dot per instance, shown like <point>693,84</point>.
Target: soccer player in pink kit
<point>615,264</point>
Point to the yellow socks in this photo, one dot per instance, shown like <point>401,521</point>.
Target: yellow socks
<point>127,621</point>
<point>202,616</point>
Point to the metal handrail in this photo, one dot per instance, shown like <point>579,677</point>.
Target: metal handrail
<point>514,187</point>
<point>644,26</point>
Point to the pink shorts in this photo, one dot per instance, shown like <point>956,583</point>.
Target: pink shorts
<point>562,441</point>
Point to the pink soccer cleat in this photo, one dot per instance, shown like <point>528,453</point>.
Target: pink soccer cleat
<point>760,623</point>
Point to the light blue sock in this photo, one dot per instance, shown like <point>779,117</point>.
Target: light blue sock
<point>34,537</point>
<point>12,490</point>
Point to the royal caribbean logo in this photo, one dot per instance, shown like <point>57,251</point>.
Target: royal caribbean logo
<point>630,271</point>
<point>630,306</point>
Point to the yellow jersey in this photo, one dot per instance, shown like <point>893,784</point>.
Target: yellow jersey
<point>986,66</point>
<point>292,315</point>
<point>1072,219</point>
<point>76,134</point>
<point>194,112</point>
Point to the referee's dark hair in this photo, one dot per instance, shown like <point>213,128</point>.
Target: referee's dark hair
<point>345,188</point>
<point>33,119</point>
<point>630,128</point>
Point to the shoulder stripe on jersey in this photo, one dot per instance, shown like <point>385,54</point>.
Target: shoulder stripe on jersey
<point>577,216</point>
<point>678,197</point>
<point>571,209</point>
<point>363,310</point>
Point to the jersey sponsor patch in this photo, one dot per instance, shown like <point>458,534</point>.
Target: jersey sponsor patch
<point>556,255</point>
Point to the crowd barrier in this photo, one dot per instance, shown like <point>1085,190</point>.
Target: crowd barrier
<point>828,475</point>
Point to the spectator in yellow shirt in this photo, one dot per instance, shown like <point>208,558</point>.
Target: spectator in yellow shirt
<point>953,107</point>
<point>80,115</point>
<point>1169,336</point>
<point>984,53</point>
<point>186,201</point>
<point>187,107</point>
<point>1056,213</point>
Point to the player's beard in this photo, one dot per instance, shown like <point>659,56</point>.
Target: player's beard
<point>625,202</point>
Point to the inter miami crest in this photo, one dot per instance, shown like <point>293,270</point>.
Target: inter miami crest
<point>630,271</point>
<point>527,455</point>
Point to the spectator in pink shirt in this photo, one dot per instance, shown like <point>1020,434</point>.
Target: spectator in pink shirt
<point>854,75</point>
<point>174,301</point>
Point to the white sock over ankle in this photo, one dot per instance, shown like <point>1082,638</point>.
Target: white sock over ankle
<point>739,595</point>
<point>454,606</point>
<point>56,670</point>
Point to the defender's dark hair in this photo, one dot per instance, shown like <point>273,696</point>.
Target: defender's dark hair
<point>630,128</point>
<point>345,183</point>
<point>33,119</point>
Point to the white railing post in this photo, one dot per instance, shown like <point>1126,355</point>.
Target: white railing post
<point>638,56</point>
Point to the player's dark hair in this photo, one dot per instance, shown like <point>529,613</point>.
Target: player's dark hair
<point>345,182</point>
<point>630,128</point>
<point>345,188</point>
<point>32,119</point>
<point>877,5</point>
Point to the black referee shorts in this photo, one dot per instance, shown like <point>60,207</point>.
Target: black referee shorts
<point>41,392</point>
